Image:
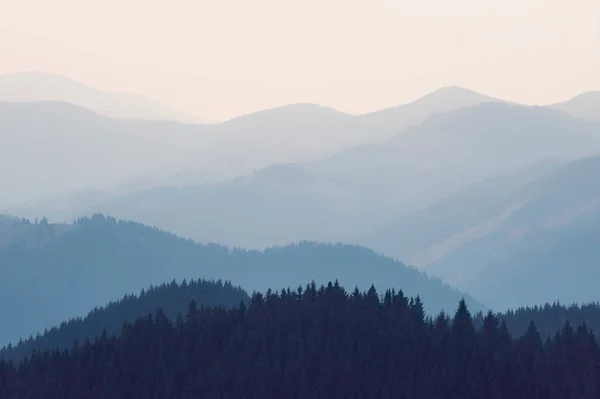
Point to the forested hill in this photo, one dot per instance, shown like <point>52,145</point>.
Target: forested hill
<point>315,343</point>
<point>548,318</point>
<point>54,272</point>
<point>173,298</point>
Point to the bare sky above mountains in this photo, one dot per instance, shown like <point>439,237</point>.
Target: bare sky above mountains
<point>219,59</point>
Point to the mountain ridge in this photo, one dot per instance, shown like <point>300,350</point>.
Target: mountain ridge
<point>551,234</point>
<point>96,259</point>
<point>584,105</point>
<point>42,86</point>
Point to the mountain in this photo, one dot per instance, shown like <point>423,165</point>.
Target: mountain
<point>422,236</point>
<point>54,148</point>
<point>276,205</point>
<point>584,106</point>
<point>44,266</point>
<point>326,125</point>
<point>303,125</point>
<point>61,149</point>
<point>440,101</point>
<point>350,195</point>
<point>542,248</point>
<point>453,150</point>
<point>172,298</point>
<point>305,121</point>
<point>42,87</point>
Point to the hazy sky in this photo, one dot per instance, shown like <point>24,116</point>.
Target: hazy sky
<point>217,59</point>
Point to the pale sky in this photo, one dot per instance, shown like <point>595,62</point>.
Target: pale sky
<point>217,59</point>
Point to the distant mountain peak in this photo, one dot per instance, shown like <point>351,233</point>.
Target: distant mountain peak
<point>583,106</point>
<point>449,94</point>
<point>440,101</point>
<point>304,107</point>
<point>295,116</point>
<point>32,86</point>
<point>453,89</point>
<point>586,96</point>
<point>290,109</point>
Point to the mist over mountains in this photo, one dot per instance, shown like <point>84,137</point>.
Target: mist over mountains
<point>316,199</point>
<point>483,193</point>
<point>344,196</point>
<point>549,233</point>
<point>584,106</point>
<point>74,139</point>
<point>99,259</point>
<point>34,87</point>
<point>167,152</point>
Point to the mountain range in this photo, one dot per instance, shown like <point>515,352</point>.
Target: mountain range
<point>459,184</point>
<point>73,143</point>
<point>44,266</point>
<point>350,195</point>
<point>73,139</point>
<point>55,148</point>
<point>173,300</point>
<point>535,224</point>
<point>42,87</point>
<point>545,232</point>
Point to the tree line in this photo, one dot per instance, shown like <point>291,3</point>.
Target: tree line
<point>172,298</point>
<point>315,342</point>
<point>98,259</point>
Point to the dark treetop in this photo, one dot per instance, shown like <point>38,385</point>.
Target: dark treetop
<point>317,343</point>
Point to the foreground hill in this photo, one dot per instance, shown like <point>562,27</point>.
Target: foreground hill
<point>173,299</point>
<point>44,267</point>
<point>37,86</point>
<point>315,343</point>
<point>546,233</point>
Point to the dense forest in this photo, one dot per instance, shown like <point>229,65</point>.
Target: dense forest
<point>172,298</point>
<point>44,266</point>
<point>548,318</point>
<point>315,342</point>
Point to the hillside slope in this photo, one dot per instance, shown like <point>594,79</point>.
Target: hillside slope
<point>584,106</point>
<point>172,298</point>
<point>37,86</point>
<point>416,238</point>
<point>44,266</point>
<point>61,147</point>
<point>440,101</point>
<point>451,151</point>
<point>545,248</point>
<point>346,196</point>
